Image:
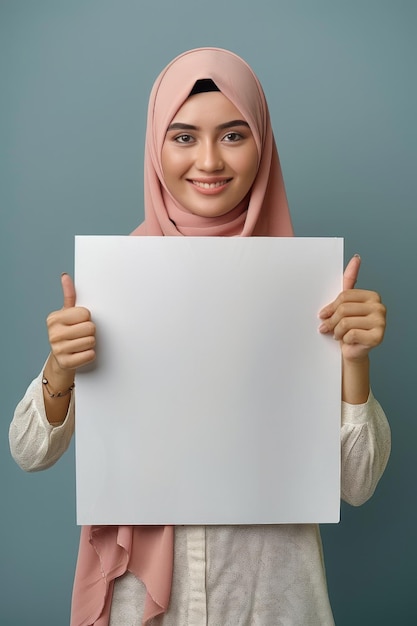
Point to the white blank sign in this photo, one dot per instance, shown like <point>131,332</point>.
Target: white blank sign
<point>214,399</point>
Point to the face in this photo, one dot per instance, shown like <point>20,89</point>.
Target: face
<point>209,156</point>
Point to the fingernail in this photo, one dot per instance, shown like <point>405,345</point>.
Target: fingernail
<point>358,256</point>
<point>322,328</point>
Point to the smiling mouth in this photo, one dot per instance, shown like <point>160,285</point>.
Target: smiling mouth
<point>215,185</point>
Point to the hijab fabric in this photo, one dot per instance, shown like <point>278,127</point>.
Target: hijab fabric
<point>107,552</point>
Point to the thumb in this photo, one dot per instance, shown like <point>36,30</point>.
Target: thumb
<point>68,291</point>
<point>351,272</point>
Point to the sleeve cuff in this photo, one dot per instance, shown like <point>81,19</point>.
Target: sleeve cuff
<point>357,413</point>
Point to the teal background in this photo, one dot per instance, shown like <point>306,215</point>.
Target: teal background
<point>340,78</point>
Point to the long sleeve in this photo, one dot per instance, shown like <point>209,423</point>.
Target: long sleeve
<point>36,444</point>
<point>366,446</point>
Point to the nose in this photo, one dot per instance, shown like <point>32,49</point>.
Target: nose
<point>209,157</point>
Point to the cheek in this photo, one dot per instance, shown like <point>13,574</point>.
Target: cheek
<point>166,161</point>
<point>249,165</point>
<point>173,162</point>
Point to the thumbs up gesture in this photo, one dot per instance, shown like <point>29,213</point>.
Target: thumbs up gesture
<point>356,318</point>
<point>71,332</point>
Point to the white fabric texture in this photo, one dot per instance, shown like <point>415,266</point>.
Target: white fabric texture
<point>230,575</point>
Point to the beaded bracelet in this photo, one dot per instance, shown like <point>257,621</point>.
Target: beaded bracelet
<point>58,394</point>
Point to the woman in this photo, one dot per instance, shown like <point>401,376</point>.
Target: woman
<point>211,169</point>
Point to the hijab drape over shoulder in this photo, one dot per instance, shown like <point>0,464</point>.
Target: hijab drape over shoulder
<point>107,552</point>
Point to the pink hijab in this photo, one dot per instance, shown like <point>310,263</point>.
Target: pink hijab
<point>107,552</point>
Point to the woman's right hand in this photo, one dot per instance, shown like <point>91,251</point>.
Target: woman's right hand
<point>71,332</point>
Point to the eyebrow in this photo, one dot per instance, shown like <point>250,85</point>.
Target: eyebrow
<point>224,126</point>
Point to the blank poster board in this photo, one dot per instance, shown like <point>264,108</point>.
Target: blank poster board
<point>214,399</point>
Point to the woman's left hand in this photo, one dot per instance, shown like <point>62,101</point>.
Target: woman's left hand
<point>356,318</point>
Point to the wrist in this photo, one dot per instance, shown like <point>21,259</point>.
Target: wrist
<point>356,361</point>
<point>57,390</point>
<point>355,380</point>
<point>53,393</point>
<point>58,378</point>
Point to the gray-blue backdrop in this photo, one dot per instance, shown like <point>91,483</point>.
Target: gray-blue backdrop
<point>340,78</point>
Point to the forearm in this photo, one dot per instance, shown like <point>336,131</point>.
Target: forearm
<point>355,381</point>
<point>59,380</point>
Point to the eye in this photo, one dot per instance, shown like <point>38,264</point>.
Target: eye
<point>184,138</point>
<point>232,137</point>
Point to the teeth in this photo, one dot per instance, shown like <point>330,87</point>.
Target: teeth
<point>209,185</point>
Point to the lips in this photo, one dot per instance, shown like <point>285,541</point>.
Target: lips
<point>210,185</point>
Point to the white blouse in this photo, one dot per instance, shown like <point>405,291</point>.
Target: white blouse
<point>230,575</point>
